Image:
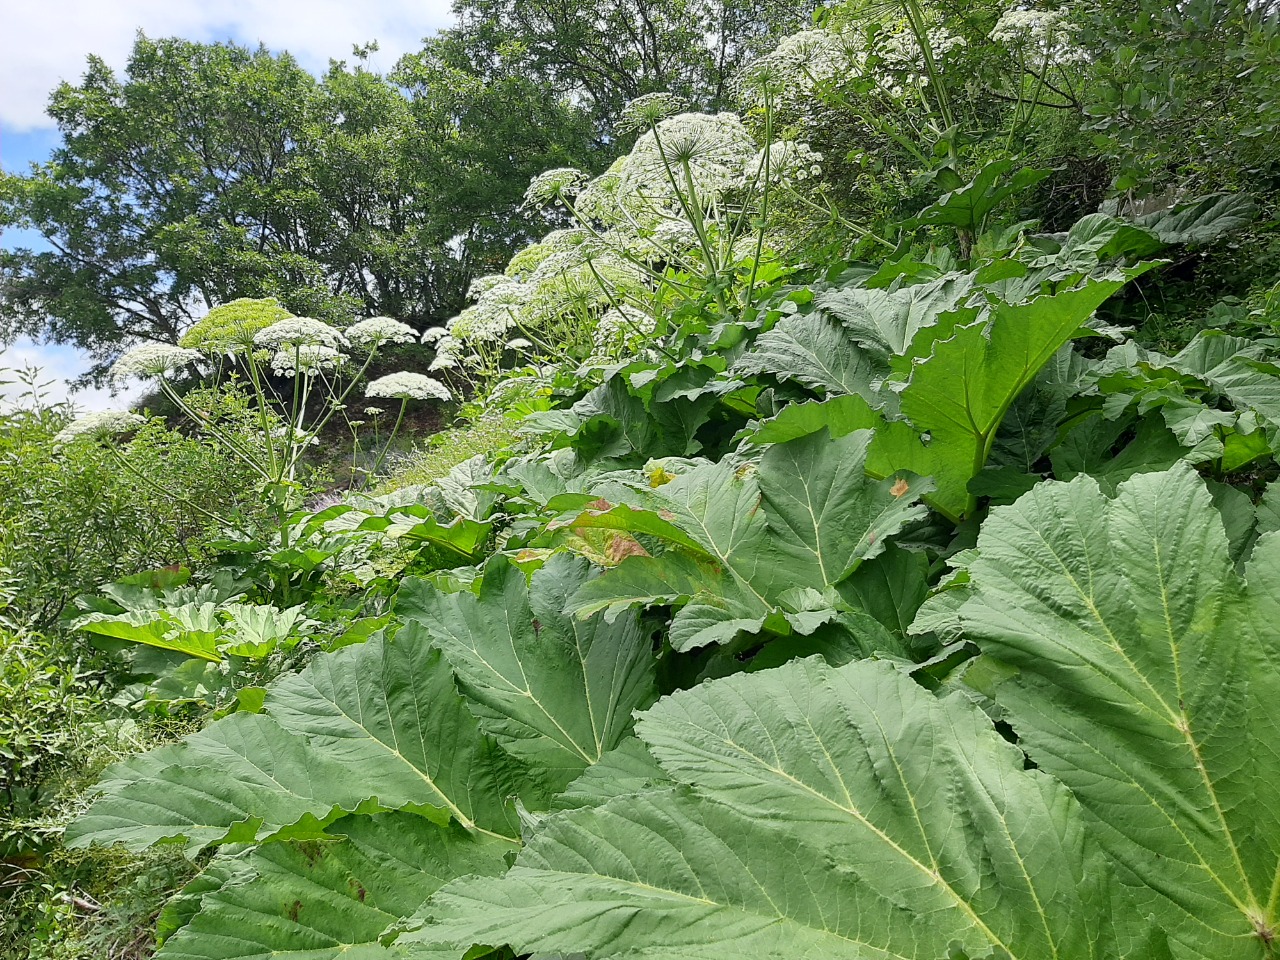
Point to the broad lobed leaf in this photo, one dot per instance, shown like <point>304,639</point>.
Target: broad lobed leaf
<point>842,813</point>
<point>1145,675</point>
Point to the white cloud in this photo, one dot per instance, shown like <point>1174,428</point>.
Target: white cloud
<point>44,43</point>
<point>57,366</point>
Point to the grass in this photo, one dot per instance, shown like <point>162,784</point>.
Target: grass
<point>443,451</point>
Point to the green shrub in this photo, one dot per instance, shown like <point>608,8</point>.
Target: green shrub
<point>76,514</point>
<point>445,450</point>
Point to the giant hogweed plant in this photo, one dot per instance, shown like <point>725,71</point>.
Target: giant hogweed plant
<point>260,343</point>
<point>864,815</point>
<point>685,696</point>
<point>687,214</point>
<point>372,805</point>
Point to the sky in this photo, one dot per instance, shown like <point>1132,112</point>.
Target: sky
<point>42,44</point>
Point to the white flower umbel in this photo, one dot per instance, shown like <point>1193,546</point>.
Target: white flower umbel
<point>306,359</point>
<point>297,332</point>
<point>152,360</point>
<point>621,323</point>
<point>104,423</point>
<point>554,185</point>
<point>789,162</point>
<point>482,285</point>
<point>407,386</point>
<point>712,150</point>
<point>799,64</point>
<point>434,334</point>
<point>376,331</point>
<point>520,343</point>
<point>643,112</point>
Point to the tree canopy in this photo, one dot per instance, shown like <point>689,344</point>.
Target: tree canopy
<point>207,172</point>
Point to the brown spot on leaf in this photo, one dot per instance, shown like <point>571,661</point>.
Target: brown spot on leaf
<point>601,504</point>
<point>620,548</point>
<point>900,486</point>
<point>294,910</point>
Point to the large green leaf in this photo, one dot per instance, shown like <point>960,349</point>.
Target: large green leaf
<point>957,396</point>
<point>967,207</point>
<point>804,520</point>
<point>1146,676</point>
<point>1203,219</point>
<point>886,321</point>
<point>377,725</point>
<point>815,351</point>
<point>551,688</point>
<point>190,628</point>
<point>825,515</point>
<point>832,813</point>
<point>330,899</point>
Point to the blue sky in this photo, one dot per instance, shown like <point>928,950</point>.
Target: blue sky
<point>42,44</point>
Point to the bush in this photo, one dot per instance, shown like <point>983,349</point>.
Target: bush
<point>73,515</point>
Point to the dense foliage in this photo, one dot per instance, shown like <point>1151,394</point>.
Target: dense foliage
<point>860,538</point>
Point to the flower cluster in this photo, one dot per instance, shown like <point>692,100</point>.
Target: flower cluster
<point>643,112</point>
<point>231,327</point>
<point>297,332</point>
<point>788,161</point>
<point>104,423</point>
<point>376,331</point>
<point>407,386</point>
<point>901,51</point>
<point>305,359</point>
<point>705,152</point>
<point>799,64</point>
<point>554,185</point>
<point>152,360</point>
<point>1016,27</point>
<point>1049,33</point>
<point>620,324</point>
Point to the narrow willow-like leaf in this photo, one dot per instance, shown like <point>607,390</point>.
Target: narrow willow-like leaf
<point>1146,677</point>
<point>553,689</point>
<point>833,813</point>
<point>378,725</point>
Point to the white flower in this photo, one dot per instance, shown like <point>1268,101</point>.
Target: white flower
<point>643,112</point>
<point>443,361</point>
<point>554,185</point>
<point>713,147</point>
<point>509,293</point>
<point>1048,31</point>
<point>800,63</point>
<point>379,330</point>
<point>789,161</point>
<point>519,343</point>
<point>481,285</point>
<point>373,411</point>
<point>407,386</point>
<point>480,323</point>
<point>434,334</point>
<point>620,323</point>
<point>152,360</point>
<point>1016,27</point>
<point>297,331</point>
<point>104,423</point>
<point>305,358</point>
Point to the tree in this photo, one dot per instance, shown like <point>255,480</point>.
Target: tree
<point>610,51</point>
<point>210,172</point>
